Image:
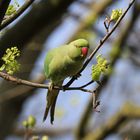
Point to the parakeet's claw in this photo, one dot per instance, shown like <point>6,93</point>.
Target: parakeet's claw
<point>77,75</point>
<point>51,85</point>
<point>63,88</point>
<point>99,83</point>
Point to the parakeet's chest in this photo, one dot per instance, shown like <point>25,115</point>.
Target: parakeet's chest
<point>61,66</point>
<point>71,67</point>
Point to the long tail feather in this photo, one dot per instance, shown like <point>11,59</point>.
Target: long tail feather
<point>46,110</point>
<point>51,102</point>
<point>52,111</point>
<point>46,113</point>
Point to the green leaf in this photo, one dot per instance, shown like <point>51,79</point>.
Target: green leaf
<point>12,8</point>
<point>45,138</point>
<point>2,67</point>
<point>95,73</point>
<point>102,66</point>
<point>10,65</point>
<point>31,121</point>
<point>116,14</point>
<point>25,124</point>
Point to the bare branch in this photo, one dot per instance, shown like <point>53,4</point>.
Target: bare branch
<point>87,84</point>
<point>37,85</point>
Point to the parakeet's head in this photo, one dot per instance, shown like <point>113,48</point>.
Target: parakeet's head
<point>79,48</point>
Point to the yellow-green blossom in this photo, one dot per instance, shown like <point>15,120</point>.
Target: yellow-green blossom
<point>29,122</point>
<point>100,67</point>
<point>12,8</point>
<point>116,14</point>
<point>10,65</point>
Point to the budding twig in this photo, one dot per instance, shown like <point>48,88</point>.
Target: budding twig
<point>102,41</point>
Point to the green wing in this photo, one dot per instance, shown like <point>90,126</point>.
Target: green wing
<point>50,55</point>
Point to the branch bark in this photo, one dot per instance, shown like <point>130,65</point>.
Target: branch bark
<point>38,85</point>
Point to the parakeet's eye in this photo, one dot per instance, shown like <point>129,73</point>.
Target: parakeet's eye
<point>77,46</point>
<point>84,51</point>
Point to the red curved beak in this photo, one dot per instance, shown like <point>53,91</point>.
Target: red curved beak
<point>84,51</point>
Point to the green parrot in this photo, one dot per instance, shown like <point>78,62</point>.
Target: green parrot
<point>60,63</point>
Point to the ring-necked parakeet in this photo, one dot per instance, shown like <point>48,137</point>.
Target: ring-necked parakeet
<point>60,63</point>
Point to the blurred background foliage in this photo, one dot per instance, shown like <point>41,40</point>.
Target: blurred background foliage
<point>50,23</point>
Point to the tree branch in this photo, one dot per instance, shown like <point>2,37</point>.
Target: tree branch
<point>37,85</point>
<point>102,41</point>
<point>16,14</point>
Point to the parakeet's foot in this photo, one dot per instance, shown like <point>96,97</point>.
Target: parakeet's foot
<point>63,88</point>
<point>99,83</point>
<point>51,85</point>
<point>77,75</point>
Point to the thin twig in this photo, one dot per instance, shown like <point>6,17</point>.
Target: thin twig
<point>102,41</point>
<point>37,85</point>
<point>16,14</point>
<point>87,84</point>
